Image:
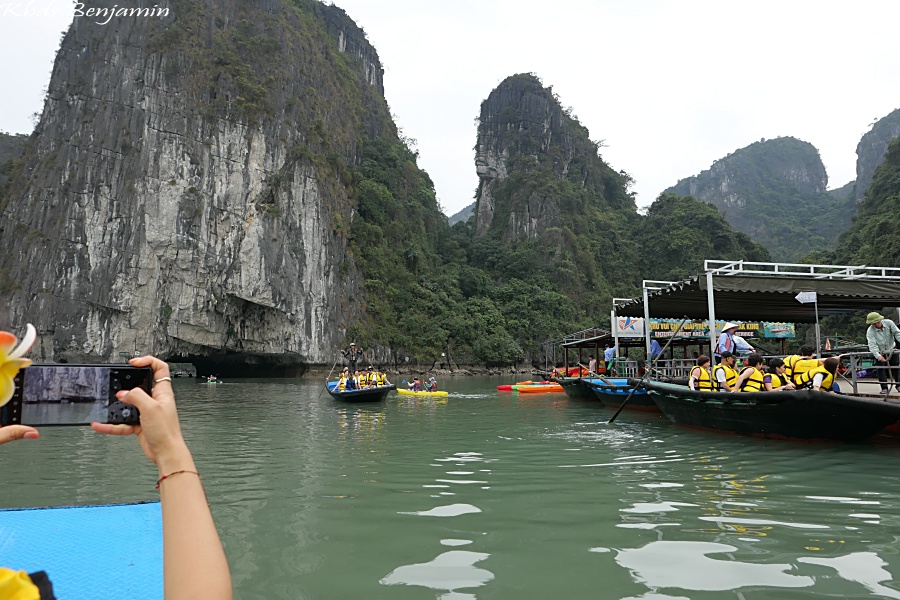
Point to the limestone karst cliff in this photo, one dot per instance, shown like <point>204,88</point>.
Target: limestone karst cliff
<point>774,191</point>
<point>872,148</point>
<point>543,185</point>
<point>189,190</point>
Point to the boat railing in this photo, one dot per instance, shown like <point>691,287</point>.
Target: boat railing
<point>676,368</point>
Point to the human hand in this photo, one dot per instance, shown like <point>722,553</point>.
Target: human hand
<point>11,433</point>
<point>159,432</point>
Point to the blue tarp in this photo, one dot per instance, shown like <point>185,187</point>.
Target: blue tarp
<point>89,552</point>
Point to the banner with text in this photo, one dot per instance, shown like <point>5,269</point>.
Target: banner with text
<point>663,328</point>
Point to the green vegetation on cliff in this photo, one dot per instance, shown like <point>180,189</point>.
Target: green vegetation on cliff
<point>775,191</point>
<point>674,247</point>
<point>874,236</point>
<point>12,146</point>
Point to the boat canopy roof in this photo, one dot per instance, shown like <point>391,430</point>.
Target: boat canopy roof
<point>767,292</point>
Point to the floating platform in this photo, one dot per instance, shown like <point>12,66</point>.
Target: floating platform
<point>89,552</point>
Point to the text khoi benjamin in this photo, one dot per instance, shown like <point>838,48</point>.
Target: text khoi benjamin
<point>116,11</point>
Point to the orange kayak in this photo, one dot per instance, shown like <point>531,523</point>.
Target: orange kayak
<point>539,389</point>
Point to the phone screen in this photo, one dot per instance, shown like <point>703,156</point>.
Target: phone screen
<point>74,394</point>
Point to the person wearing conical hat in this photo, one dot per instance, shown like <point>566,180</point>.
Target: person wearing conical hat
<point>882,336</point>
<point>728,341</point>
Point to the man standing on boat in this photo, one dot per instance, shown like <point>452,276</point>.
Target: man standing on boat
<point>881,336</point>
<point>352,354</point>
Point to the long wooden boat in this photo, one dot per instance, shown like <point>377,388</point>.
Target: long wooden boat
<point>612,392</point>
<point>372,394</point>
<point>578,388</point>
<point>799,415</point>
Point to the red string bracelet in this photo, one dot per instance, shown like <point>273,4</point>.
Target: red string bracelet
<point>164,477</point>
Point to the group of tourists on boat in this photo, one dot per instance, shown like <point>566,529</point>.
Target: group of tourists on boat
<point>358,380</point>
<point>799,371</point>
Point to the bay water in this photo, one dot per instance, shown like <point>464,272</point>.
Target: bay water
<point>488,494</point>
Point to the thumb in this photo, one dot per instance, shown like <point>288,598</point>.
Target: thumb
<point>136,397</point>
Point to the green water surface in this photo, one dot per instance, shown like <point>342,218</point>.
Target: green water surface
<point>489,494</point>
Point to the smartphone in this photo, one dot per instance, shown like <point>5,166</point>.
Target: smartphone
<point>74,394</point>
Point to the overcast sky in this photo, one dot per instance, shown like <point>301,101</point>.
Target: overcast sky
<point>670,86</point>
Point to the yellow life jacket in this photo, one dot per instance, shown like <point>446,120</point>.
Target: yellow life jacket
<point>703,381</point>
<point>380,378</point>
<point>730,377</point>
<point>17,585</point>
<point>342,383</point>
<point>776,380</point>
<point>796,365</point>
<point>806,380</point>
<point>754,383</point>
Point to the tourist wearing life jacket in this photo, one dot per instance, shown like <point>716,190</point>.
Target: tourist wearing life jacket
<point>700,379</point>
<point>751,376</point>
<point>798,364</point>
<point>724,374</point>
<point>370,376</point>
<point>820,379</point>
<point>415,385</point>
<point>381,378</point>
<point>431,386</point>
<point>776,380</point>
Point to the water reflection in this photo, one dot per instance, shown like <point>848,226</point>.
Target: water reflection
<point>866,568</point>
<point>449,571</point>
<point>686,565</point>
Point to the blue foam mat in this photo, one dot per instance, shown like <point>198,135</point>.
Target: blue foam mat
<point>89,552</point>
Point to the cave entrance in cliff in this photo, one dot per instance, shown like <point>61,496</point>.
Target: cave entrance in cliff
<point>242,366</point>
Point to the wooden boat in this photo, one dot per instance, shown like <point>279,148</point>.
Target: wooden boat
<point>612,392</point>
<point>799,415</point>
<point>437,394</point>
<point>578,388</point>
<point>372,394</point>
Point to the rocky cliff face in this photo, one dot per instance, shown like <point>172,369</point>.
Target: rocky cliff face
<point>872,148</point>
<point>186,193</point>
<point>774,191</point>
<point>526,144</point>
<point>733,182</point>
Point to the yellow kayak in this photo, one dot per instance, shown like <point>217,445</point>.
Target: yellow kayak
<point>412,393</point>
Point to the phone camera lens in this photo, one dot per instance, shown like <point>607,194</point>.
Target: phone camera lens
<point>126,412</point>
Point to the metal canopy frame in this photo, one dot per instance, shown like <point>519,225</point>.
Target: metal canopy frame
<point>770,288</point>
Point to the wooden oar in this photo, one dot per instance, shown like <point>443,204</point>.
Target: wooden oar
<point>647,371</point>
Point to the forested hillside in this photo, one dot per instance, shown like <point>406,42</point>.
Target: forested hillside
<point>775,191</point>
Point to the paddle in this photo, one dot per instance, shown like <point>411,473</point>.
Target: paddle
<point>647,371</point>
<point>329,376</point>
